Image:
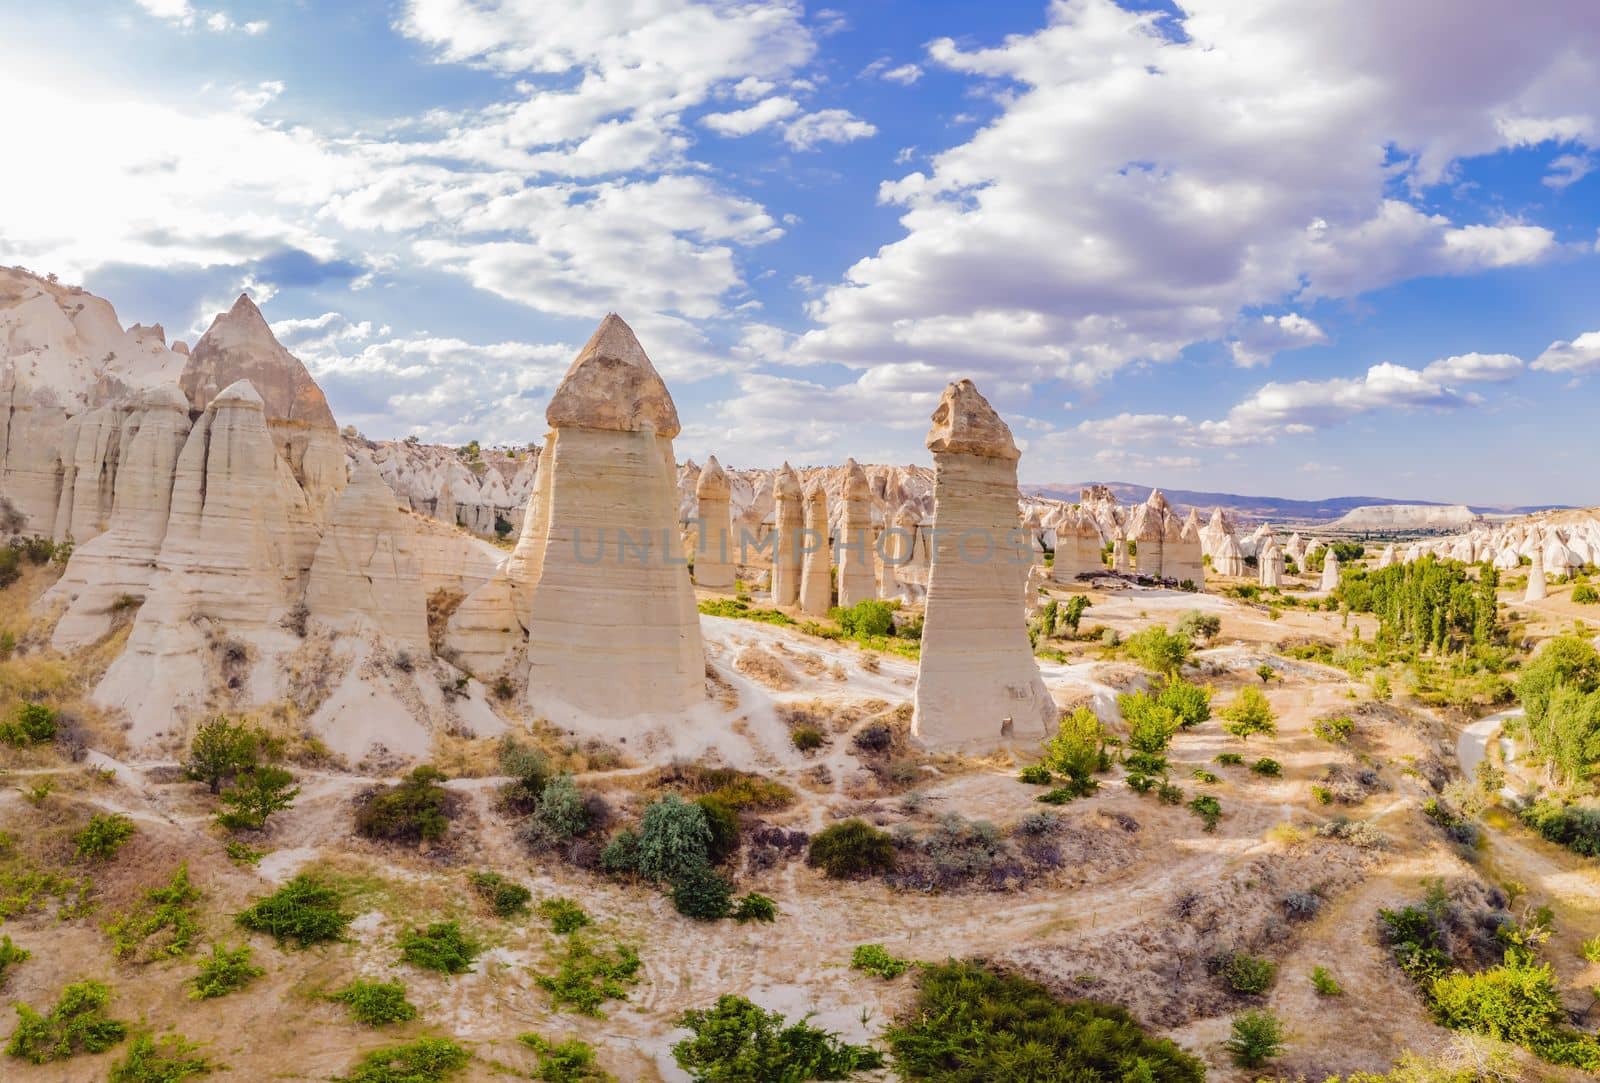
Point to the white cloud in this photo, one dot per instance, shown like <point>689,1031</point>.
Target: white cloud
<point>1581,355</point>
<point>182,13</point>
<point>1150,177</point>
<point>745,121</point>
<point>1475,368</point>
<point>826,126</point>
<point>176,10</point>
<point>1567,170</point>
<point>905,74</point>
<point>1259,340</point>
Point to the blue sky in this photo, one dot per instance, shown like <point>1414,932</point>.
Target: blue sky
<point>1300,247</point>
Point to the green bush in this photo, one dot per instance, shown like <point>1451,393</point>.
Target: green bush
<point>587,976</point>
<point>1189,703</point>
<point>1585,594</point>
<point>10,956</point>
<point>866,619</point>
<point>1269,767</point>
<point>1336,731</point>
<point>755,907</point>
<point>426,1060</point>
<point>1249,713</point>
<point>621,854</point>
<point>168,911</point>
<point>102,837</point>
<point>224,971</point>
<point>169,1059</point>
<point>1157,649</point>
<point>1577,827</point>
<point>737,1040</point>
<point>1250,975</point>
<point>1200,774</point>
<point>1036,774</point>
<point>1197,625</point>
<point>441,946</point>
<point>222,750</point>
<point>1208,808</point>
<point>1515,1002</point>
<point>417,808</point>
<point>1256,1038</point>
<point>78,1023</point>
<point>673,836</point>
<point>875,959</point>
<point>242,853</point>
<point>702,893</point>
<point>255,796</point>
<point>807,738</point>
<point>851,848</point>
<point>32,724</point>
<point>1074,750</point>
<point>506,898</point>
<point>376,1003</point>
<point>529,769</point>
<point>560,816</point>
<point>1325,983</point>
<point>723,823</point>
<point>969,1023</point>
<point>564,915</point>
<point>304,910</point>
<point>1228,759</point>
<point>571,1061</point>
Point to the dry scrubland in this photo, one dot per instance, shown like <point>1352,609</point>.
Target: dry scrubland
<point>1123,898</point>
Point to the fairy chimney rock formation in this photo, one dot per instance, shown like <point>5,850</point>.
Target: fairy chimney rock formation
<point>1536,583</point>
<point>978,686</point>
<point>858,565</point>
<point>365,567</point>
<point>788,535</point>
<point>816,570</point>
<point>613,631</point>
<point>713,555</point>
<point>1077,548</point>
<point>1330,570</point>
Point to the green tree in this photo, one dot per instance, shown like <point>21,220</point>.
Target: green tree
<point>221,750</point>
<point>1249,713</point>
<point>1074,751</point>
<point>1158,650</point>
<point>255,796</point>
<point>673,837</point>
<point>1256,1037</point>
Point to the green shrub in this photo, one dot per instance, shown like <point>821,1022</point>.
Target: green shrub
<point>673,836</point>
<point>223,750</point>
<point>1515,1002</point>
<point>1228,759</point>
<point>621,854</point>
<point>1336,731</point>
<point>755,907</point>
<point>255,796</point>
<point>1169,794</point>
<point>1269,767</point>
<point>78,1023</point>
<point>441,946</point>
<point>702,893</point>
<point>1577,827</point>
<point>506,898</point>
<point>102,837</point>
<point>1065,795</point>
<point>304,910</point>
<point>169,910</point>
<point>723,823</point>
<point>875,959</point>
<point>1157,649</point>
<point>587,976</point>
<point>1001,1027</point>
<point>1256,1038</point>
<point>1074,750</point>
<point>560,816</point>
<point>417,808</point>
<point>169,1059</point>
<point>807,738</point>
<point>226,970</point>
<point>10,956</point>
<point>242,853</point>
<point>1589,949</point>
<point>1585,594</point>
<point>1189,703</point>
<point>529,769</point>
<point>1249,713</point>
<point>1198,625</point>
<point>32,724</point>
<point>564,915</point>
<point>737,1040</point>
<point>1036,774</point>
<point>1250,975</point>
<point>376,1003</point>
<point>571,1061</point>
<point>1200,774</point>
<point>866,619</point>
<point>1209,809</point>
<point>849,849</point>
<point>1325,983</point>
<point>426,1060</point>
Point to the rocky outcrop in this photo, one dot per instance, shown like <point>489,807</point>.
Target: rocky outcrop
<point>858,558</point>
<point>816,570</point>
<point>714,544</point>
<point>1330,570</point>
<point>365,569</point>
<point>978,686</point>
<point>788,542</point>
<point>1270,559</point>
<point>1228,560</point>
<point>1537,586</point>
<point>613,630</point>
<point>114,569</point>
<point>1078,548</point>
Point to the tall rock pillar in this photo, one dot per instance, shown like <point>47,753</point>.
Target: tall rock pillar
<point>858,573</point>
<point>713,551</point>
<point>788,532</point>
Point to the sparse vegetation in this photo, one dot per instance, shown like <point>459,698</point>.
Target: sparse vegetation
<point>226,970</point>
<point>1209,809</point>
<point>303,911</point>
<point>971,1023</point>
<point>506,898</point>
<point>1257,1037</point>
<point>255,796</point>
<point>426,1060</point>
<point>441,946</point>
<point>78,1023</point>
<point>571,1061</point>
<point>168,1059</point>
<point>737,1040</point>
<point>10,956</point>
<point>875,959</point>
<point>162,926</point>
<point>587,975</point>
<point>1336,731</point>
<point>1325,983</point>
<point>850,849</point>
<point>102,837</point>
<point>30,724</point>
<point>376,1003</point>
<point>564,915</point>
<point>754,907</point>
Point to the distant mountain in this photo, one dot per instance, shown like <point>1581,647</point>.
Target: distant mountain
<point>1261,507</point>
